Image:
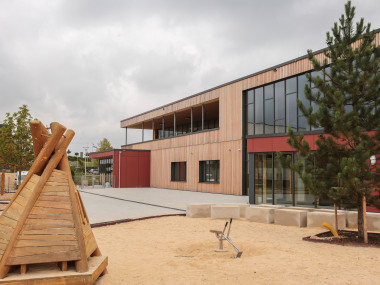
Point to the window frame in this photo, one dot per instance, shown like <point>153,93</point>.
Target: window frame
<point>205,172</point>
<point>176,166</point>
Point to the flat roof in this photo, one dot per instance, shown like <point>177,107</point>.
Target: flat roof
<point>233,81</point>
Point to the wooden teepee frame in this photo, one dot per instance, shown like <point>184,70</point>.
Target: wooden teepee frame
<point>46,221</point>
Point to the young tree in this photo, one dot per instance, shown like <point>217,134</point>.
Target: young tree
<point>104,144</point>
<point>16,146</point>
<point>348,110</point>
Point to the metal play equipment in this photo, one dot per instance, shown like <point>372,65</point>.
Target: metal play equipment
<point>221,236</point>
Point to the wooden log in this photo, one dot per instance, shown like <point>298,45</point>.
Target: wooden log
<point>82,264</point>
<point>22,269</point>
<point>82,205</point>
<point>42,158</point>
<point>63,266</point>
<point>53,162</point>
<point>39,136</point>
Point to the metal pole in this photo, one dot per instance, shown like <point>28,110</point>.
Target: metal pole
<point>85,160</point>
<point>163,127</point>
<point>142,131</point>
<point>174,129</point>
<point>203,117</point>
<point>119,167</point>
<point>191,117</point>
<point>153,130</point>
<point>126,136</point>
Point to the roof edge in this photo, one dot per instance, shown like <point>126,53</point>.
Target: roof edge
<point>233,81</point>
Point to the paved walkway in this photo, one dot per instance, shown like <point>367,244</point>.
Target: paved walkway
<point>111,204</point>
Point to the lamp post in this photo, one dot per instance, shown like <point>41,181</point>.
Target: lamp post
<point>85,160</point>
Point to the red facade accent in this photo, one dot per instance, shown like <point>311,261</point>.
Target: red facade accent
<point>134,167</point>
<point>273,144</point>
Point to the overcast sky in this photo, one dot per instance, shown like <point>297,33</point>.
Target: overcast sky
<point>89,64</point>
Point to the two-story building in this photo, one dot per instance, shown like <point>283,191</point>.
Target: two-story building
<point>223,140</point>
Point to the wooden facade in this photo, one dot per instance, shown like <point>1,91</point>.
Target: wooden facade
<point>224,144</point>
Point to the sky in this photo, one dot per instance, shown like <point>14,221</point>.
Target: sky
<point>88,64</point>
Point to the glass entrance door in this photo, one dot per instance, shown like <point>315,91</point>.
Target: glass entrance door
<point>283,183</point>
<point>263,178</point>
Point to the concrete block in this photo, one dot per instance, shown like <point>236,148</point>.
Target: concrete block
<point>242,206</point>
<point>225,212</point>
<point>316,219</point>
<point>301,208</point>
<point>373,220</point>
<point>198,210</point>
<point>260,214</point>
<point>288,217</point>
<point>269,206</point>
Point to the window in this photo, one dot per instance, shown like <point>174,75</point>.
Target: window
<point>209,171</point>
<point>106,165</point>
<point>259,116</point>
<point>179,171</point>
<point>272,108</point>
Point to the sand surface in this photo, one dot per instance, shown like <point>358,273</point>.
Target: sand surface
<point>180,250</point>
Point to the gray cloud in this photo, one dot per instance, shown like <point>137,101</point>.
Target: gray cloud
<point>91,63</point>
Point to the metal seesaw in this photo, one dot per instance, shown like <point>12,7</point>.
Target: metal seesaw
<point>221,236</point>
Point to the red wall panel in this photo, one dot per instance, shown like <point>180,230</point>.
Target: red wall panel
<point>134,167</point>
<point>273,144</point>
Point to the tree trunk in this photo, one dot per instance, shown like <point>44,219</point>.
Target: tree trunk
<point>19,178</point>
<point>336,216</point>
<point>360,218</point>
<point>2,182</point>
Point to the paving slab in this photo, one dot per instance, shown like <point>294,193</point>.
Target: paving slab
<point>110,204</point>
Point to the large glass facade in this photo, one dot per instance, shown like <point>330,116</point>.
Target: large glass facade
<point>198,118</point>
<point>272,108</point>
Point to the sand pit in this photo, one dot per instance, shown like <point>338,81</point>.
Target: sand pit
<point>180,250</point>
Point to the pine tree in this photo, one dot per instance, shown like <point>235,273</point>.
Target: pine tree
<point>347,107</point>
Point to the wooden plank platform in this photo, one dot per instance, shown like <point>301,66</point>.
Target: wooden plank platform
<point>50,273</point>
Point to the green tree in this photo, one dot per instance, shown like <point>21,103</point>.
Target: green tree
<point>104,144</point>
<point>16,146</point>
<point>347,107</point>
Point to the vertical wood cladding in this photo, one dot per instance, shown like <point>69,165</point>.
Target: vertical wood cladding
<point>212,145</point>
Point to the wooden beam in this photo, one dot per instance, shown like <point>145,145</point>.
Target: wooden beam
<point>51,165</point>
<point>22,269</point>
<point>42,158</point>
<point>82,264</point>
<point>63,265</point>
<point>39,136</point>
<point>83,208</point>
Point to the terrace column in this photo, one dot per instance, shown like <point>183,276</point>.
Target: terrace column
<point>126,136</point>
<point>153,129</point>
<point>163,127</point>
<point>142,132</point>
<point>191,118</point>
<point>203,117</point>
<point>174,129</point>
